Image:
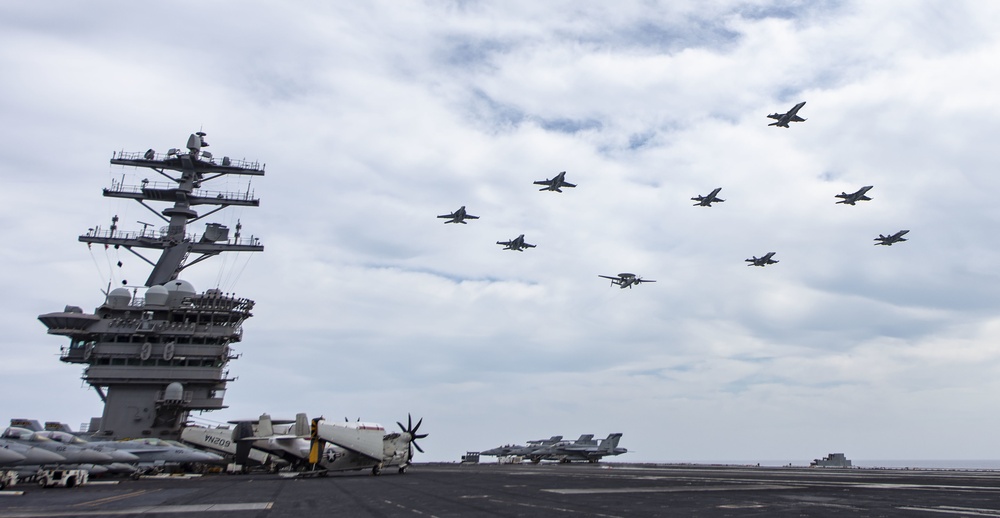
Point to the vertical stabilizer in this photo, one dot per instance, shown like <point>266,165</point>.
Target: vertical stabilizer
<point>611,442</point>
<point>301,425</point>
<point>264,427</point>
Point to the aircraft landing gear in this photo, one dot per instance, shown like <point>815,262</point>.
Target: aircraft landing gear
<point>402,469</point>
<point>377,470</point>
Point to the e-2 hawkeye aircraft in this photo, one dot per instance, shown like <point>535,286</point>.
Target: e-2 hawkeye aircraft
<point>626,280</point>
<point>317,448</point>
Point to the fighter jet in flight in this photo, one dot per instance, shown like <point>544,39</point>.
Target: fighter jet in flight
<point>762,261</point>
<point>707,201</point>
<point>459,216</point>
<point>515,244</point>
<point>889,240</point>
<point>626,280</point>
<point>851,199</point>
<point>784,118</point>
<point>555,184</point>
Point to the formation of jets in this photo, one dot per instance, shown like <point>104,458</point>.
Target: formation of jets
<point>555,449</point>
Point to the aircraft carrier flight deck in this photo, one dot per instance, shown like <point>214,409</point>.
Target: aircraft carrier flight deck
<point>605,490</point>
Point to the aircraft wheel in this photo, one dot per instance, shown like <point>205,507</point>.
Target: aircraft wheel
<point>41,482</point>
<point>377,470</point>
<point>402,469</point>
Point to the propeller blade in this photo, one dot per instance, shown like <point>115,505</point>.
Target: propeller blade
<point>401,427</point>
<point>417,446</point>
<point>413,431</point>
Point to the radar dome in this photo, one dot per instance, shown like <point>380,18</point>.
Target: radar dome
<point>179,290</point>
<point>174,392</point>
<point>157,296</point>
<point>119,298</point>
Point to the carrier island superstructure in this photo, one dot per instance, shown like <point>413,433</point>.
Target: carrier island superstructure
<point>157,352</point>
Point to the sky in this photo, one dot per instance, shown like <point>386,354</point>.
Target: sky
<point>375,117</point>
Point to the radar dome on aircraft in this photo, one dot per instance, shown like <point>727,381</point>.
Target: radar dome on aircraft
<point>157,296</point>
<point>119,298</point>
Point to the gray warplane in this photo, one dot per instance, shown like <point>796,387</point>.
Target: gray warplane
<point>555,184</point>
<point>894,238</point>
<point>784,118</point>
<point>71,453</point>
<point>144,451</point>
<point>707,201</point>
<point>10,457</point>
<point>626,280</point>
<point>515,244</point>
<point>851,199</point>
<point>517,449</point>
<point>459,216</point>
<point>762,261</point>
<point>585,451</point>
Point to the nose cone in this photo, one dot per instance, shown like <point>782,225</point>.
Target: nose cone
<point>85,456</point>
<point>40,456</point>
<point>122,456</point>
<point>8,457</point>
<point>211,458</point>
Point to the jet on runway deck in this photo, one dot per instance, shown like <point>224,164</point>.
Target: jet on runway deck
<point>784,118</point>
<point>459,216</point>
<point>854,197</point>
<point>555,184</point>
<point>515,244</point>
<point>889,240</point>
<point>581,451</point>
<point>626,280</point>
<point>762,261</point>
<point>707,201</point>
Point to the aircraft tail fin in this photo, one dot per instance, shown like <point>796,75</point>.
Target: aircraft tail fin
<point>609,444</point>
<point>301,425</point>
<point>264,426</point>
<point>243,429</point>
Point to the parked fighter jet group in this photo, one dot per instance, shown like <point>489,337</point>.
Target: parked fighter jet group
<point>628,280</point>
<point>26,447</point>
<point>317,448</point>
<point>555,449</point>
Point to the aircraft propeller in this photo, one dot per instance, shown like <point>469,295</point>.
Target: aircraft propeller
<point>412,430</point>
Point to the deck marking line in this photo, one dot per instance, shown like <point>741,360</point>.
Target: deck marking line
<point>686,489</point>
<point>149,509</point>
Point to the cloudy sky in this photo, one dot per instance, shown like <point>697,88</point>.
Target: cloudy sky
<point>375,117</point>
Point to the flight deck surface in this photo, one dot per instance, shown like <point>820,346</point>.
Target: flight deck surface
<point>607,490</point>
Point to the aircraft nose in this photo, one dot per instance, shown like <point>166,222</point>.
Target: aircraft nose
<point>40,456</point>
<point>123,456</point>
<point>92,457</point>
<point>211,458</point>
<point>10,457</point>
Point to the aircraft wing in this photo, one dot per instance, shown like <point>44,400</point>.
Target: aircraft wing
<point>567,184</point>
<point>542,182</point>
<point>796,118</point>
<point>448,216</point>
<point>609,277</point>
<point>364,440</point>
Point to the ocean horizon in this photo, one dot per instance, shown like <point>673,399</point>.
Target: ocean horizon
<point>947,464</point>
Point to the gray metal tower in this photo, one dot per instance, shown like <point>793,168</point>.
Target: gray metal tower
<point>154,358</point>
